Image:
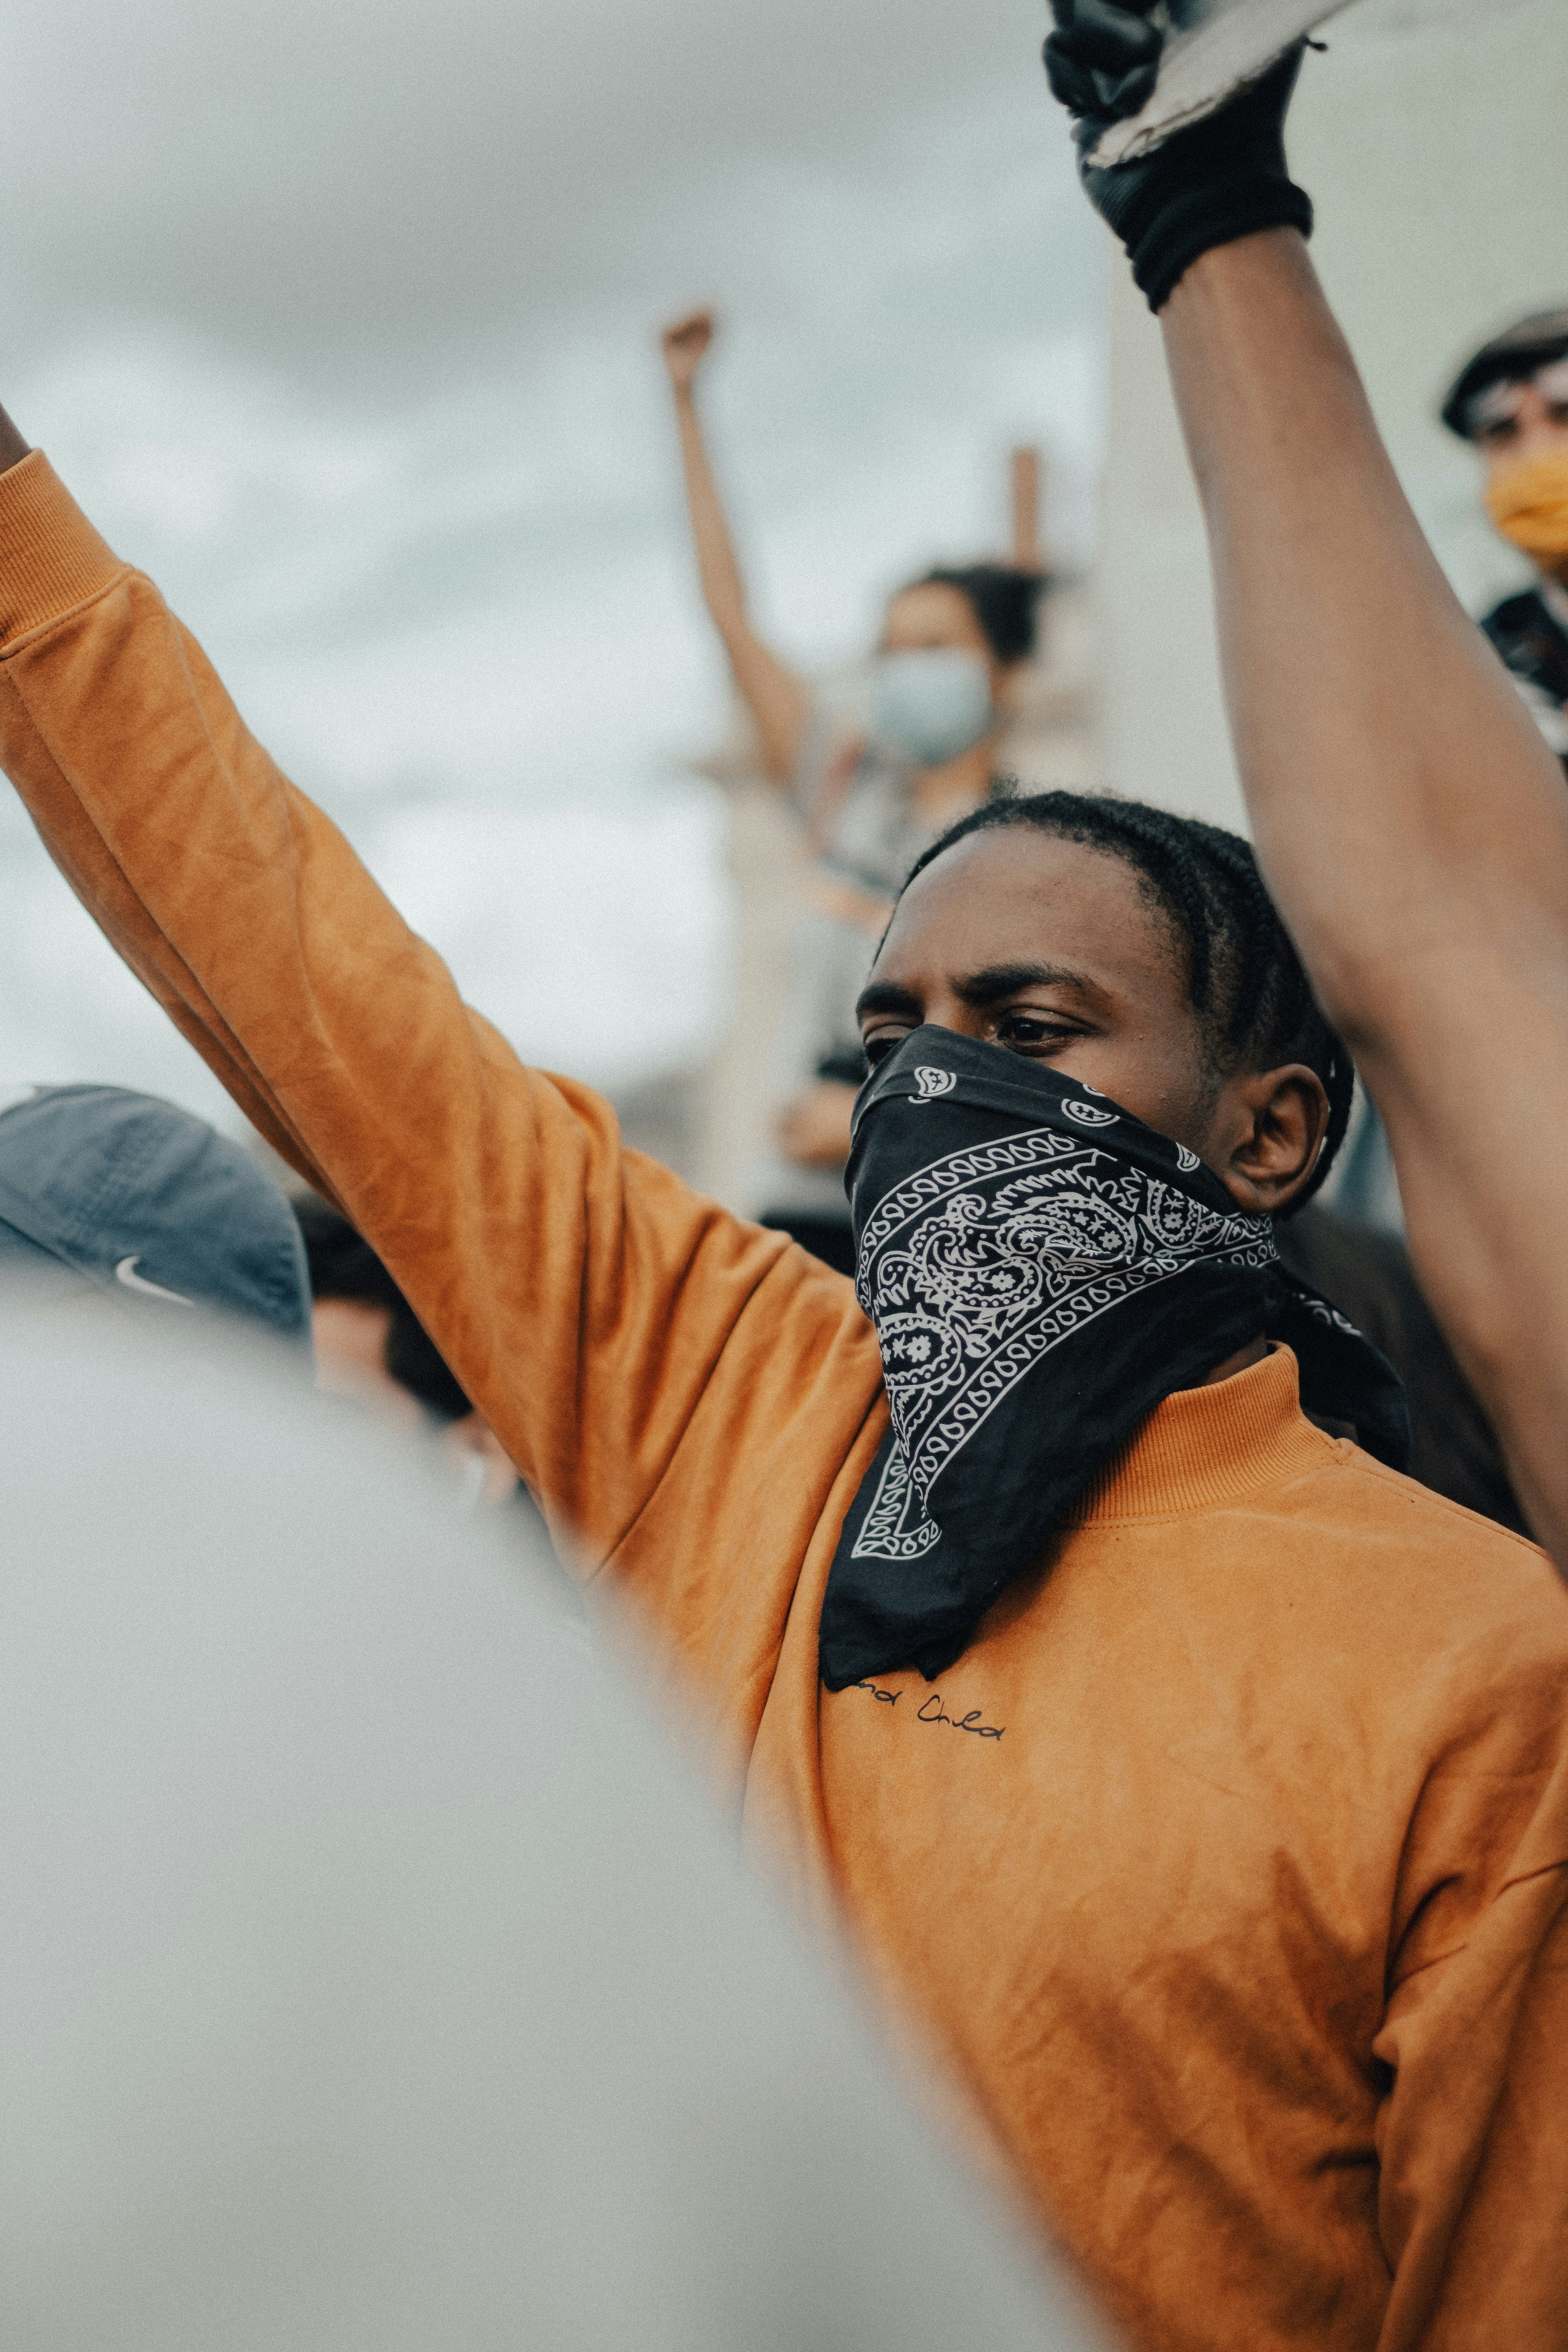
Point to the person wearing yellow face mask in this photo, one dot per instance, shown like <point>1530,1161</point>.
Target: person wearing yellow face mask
<point>1510,401</point>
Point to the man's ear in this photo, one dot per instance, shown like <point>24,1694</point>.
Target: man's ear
<point>1277,1120</point>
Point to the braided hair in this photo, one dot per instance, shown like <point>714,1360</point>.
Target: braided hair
<point>1243,977</point>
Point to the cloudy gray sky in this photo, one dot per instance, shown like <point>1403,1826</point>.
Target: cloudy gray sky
<point>339,319</point>
<point>319,173</point>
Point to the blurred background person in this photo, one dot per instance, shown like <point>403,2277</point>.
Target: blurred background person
<point>943,685</point>
<point>372,1347</point>
<point>116,1196</point>
<point>1510,401</point>
<point>425,506</point>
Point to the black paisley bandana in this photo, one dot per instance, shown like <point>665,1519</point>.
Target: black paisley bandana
<point>1042,1270</point>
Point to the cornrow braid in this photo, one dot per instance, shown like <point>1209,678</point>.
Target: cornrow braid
<point>1246,981</point>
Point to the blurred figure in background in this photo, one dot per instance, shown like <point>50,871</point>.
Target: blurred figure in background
<point>118,1196</point>
<point>943,684</point>
<point>1510,400</point>
<point>371,1346</point>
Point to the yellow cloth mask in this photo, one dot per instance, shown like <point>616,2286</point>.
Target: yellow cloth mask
<point>1529,504</point>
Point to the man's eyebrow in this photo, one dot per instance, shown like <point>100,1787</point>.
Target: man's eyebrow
<point>883,996</point>
<point>996,981</point>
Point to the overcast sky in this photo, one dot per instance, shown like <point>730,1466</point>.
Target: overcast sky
<point>339,319</point>
<point>378,233</point>
<point>338,316</point>
<point>325,170</point>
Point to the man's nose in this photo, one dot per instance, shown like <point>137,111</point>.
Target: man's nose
<point>952,1013</point>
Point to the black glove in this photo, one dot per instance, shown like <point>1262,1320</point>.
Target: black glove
<point>1222,179</point>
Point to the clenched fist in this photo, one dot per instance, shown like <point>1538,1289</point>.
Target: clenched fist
<point>685,344</point>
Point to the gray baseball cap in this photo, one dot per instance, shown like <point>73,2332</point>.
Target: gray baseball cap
<point>138,1200</point>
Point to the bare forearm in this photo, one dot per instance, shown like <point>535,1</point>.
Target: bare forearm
<point>776,698</point>
<point>1360,695</point>
<point>718,566</point>
<point>1409,821</point>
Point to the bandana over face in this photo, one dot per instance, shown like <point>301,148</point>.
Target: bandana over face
<point>1042,1270</point>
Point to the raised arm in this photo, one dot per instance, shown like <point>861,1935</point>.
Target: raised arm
<point>776,698</point>
<point>1029,481</point>
<point>1410,820</point>
<point>637,1351</point>
<point>1411,825</point>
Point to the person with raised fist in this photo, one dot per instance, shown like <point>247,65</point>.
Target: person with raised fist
<point>1052,1602</point>
<point>1409,816</point>
<point>943,682</point>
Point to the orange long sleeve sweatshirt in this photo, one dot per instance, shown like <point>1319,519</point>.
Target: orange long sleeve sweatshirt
<point>1227,1868</point>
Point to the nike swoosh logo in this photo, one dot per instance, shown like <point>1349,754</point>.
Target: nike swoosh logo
<point>125,1272</point>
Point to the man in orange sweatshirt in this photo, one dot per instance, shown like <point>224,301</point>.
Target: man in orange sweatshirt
<point>1196,1783</point>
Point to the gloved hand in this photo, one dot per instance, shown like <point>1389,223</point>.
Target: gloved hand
<point>1222,179</point>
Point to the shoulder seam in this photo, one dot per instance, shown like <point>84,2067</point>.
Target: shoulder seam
<point>1356,1458</point>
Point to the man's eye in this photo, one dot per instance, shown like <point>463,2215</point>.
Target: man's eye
<point>1028,1032</point>
<point>878,1048</point>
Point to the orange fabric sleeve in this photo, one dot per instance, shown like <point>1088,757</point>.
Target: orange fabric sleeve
<point>1473,2135</point>
<point>592,1305</point>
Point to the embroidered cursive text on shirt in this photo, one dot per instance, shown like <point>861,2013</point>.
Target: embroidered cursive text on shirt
<point>934,1711</point>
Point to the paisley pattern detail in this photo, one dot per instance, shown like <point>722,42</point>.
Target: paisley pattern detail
<point>1022,1272</point>
<point>987,1259</point>
<point>1323,1311</point>
<point>934,1082</point>
<point>896,1525</point>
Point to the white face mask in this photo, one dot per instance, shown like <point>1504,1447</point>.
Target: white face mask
<point>931,706</point>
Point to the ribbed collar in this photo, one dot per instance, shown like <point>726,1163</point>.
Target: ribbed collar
<point>1208,1446</point>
